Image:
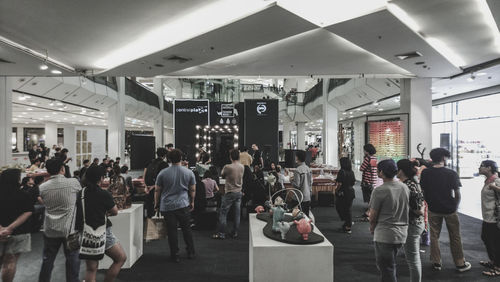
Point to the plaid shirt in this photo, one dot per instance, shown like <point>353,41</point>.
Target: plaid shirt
<point>59,196</point>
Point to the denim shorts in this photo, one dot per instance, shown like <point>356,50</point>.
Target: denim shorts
<point>16,244</point>
<point>111,239</point>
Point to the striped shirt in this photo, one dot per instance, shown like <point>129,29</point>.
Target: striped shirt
<point>59,196</point>
<point>369,169</point>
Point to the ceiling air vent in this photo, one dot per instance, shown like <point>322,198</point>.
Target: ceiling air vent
<point>409,55</point>
<point>5,61</point>
<point>178,59</point>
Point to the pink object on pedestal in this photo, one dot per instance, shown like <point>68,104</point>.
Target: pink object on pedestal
<point>259,209</point>
<point>304,227</point>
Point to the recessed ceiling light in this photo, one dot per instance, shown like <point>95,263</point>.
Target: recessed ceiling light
<point>375,104</point>
<point>380,109</point>
<point>44,67</point>
<point>364,113</point>
<point>54,113</point>
<point>14,118</point>
<point>59,103</point>
<point>23,113</point>
<point>33,104</point>
<point>29,109</point>
<point>56,71</point>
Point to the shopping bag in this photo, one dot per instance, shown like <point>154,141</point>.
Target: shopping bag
<point>156,228</point>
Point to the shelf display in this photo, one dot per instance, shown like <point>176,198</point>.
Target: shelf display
<point>471,154</point>
<point>388,137</point>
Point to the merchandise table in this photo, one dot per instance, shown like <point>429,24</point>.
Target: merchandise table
<point>270,260</point>
<point>128,229</point>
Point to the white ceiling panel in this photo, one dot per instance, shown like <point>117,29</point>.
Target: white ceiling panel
<point>316,52</point>
<point>269,25</point>
<point>40,85</point>
<point>18,82</point>
<point>79,95</point>
<point>386,36</point>
<point>61,91</point>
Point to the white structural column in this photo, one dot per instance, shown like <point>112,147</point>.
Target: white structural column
<point>416,100</point>
<point>5,120</point>
<point>301,135</point>
<point>70,144</point>
<point>158,122</point>
<point>50,134</point>
<point>330,130</point>
<point>287,127</point>
<point>19,137</point>
<point>116,123</point>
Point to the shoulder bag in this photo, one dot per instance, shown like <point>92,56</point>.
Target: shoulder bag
<point>93,240</point>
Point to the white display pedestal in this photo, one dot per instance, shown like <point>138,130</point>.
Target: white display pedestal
<point>275,261</point>
<point>128,228</point>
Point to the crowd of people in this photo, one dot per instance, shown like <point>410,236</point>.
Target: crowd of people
<point>411,202</point>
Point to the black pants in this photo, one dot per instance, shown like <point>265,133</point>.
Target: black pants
<point>490,235</point>
<point>306,206</point>
<point>171,218</point>
<point>344,209</point>
<point>150,203</point>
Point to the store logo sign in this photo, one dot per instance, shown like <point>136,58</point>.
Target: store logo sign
<point>261,108</point>
<point>195,109</point>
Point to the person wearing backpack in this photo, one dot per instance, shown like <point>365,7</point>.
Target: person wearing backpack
<point>150,174</point>
<point>97,204</point>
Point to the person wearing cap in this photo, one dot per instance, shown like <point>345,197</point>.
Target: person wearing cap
<point>388,216</point>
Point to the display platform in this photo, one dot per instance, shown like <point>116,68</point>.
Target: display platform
<point>292,236</point>
<point>128,228</point>
<point>270,260</point>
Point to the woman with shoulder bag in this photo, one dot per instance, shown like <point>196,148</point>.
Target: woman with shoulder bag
<point>97,237</point>
<point>490,232</point>
<point>407,173</point>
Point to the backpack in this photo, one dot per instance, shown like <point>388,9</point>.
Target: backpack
<point>152,172</point>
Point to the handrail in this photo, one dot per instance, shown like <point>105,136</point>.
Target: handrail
<point>109,81</point>
<point>140,93</point>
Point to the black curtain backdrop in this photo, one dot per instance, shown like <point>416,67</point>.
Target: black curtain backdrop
<point>142,150</point>
<point>261,127</point>
<point>187,115</point>
<point>240,108</point>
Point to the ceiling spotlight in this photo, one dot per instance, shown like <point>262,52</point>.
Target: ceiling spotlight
<point>59,103</point>
<point>350,113</point>
<point>380,109</point>
<point>351,116</point>
<point>51,104</point>
<point>44,67</point>
<point>344,113</point>
<point>375,104</point>
<point>56,72</point>
<point>364,113</point>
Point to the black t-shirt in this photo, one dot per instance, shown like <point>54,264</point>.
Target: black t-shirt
<point>14,205</point>
<point>256,158</point>
<point>437,185</point>
<point>348,180</point>
<point>97,203</point>
<point>33,192</point>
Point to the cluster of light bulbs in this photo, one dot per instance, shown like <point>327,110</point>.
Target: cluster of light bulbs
<point>203,138</point>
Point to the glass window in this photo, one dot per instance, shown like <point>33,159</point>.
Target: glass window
<point>33,136</point>
<point>481,107</point>
<point>442,113</point>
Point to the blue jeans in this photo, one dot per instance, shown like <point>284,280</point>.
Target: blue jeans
<point>385,255</point>
<point>50,249</point>
<point>412,251</point>
<point>228,200</point>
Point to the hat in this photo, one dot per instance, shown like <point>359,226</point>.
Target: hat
<point>388,166</point>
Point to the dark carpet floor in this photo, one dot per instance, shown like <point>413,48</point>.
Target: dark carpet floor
<point>227,260</point>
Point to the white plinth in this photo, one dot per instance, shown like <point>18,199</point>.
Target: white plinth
<point>128,228</point>
<point>274,261</point>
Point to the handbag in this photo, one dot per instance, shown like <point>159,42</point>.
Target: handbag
<point>73,240</point>
<point>93,242</point>
<point>156,228</point>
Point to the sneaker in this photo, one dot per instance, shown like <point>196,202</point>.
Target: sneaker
<point>465,267</point>
<point>436,266</point>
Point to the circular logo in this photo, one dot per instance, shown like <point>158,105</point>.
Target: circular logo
<point>261,109</point>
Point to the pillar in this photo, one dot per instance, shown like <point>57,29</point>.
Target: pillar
<point>116,123</point>
<point>5,120</point>
<point>301,135</point>
<point>287,127</point>
<point>330,139</point>
<point>416,100</point>
<point>158,122</point>
<point>50,134</point>
<point>20,139</point>
<point>70,144</point>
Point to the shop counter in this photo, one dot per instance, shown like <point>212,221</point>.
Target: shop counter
<point>270,260</point>
<point>128,228</point>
